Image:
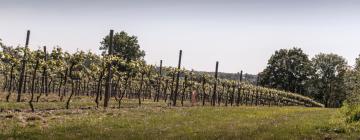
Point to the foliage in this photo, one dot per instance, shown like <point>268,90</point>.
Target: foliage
<point>352,84</point>
<point>124,46</point>
<point>81,73</point>
<point>324,78</point>
<point>328,81</point>
<point>351,113</point>
<point>287,69</point>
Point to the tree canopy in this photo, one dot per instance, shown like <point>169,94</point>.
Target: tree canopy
<point>287,69</point>
<point>124,46</point>
<point>352,84</point>
<point>328,81</point>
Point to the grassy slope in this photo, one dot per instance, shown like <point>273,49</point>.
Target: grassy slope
<point>156,121</point>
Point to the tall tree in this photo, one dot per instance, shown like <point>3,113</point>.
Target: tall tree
<point>287,69</point>
<point>328,82</point>
<point>124,46</point>
<point>352,86</point>
<point>351,106</point>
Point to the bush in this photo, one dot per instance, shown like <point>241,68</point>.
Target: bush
<point>351,112</point>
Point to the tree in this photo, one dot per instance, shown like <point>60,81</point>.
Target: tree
<point>350,107</point>
<point>287,69</point>
<point>352,85</point>
<point>124,46</point>
<point>328,82</point>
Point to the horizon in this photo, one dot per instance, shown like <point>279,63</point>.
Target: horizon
<point>206,31</point>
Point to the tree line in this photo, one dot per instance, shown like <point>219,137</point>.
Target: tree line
<point>327,78</point>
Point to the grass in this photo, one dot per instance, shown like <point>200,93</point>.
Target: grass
<point>157,121</point>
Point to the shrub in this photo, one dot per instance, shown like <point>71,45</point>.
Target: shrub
<point>351,112</point>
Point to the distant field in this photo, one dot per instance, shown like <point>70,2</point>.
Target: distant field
<point>157,121</point>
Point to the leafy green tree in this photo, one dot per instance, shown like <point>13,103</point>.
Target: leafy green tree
<point>124,46</point>
<point>287,69</point>
<point>352,84</point>
<point>328,82</point>
<point>351,107</point>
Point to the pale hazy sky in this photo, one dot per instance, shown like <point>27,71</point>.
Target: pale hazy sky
<point>241,34</point>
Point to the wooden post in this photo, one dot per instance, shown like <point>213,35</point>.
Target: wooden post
<point>23,67</point>
<point>215,84</point>
<point>257,91</point>
<point>177,79</point>
<point>45,73</point>
<point>159,83</point>
<point>109,76</point>
<point>203,88</point>
<point>239,89</point>
<point>241,76</point>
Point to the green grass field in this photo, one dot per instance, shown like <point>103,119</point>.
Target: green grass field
<point>157,121</point>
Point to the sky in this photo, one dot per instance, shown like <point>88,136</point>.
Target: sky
<point>241,35</point>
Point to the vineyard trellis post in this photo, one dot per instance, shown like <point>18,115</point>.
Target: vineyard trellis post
<point>109,76</point>
<point>239,88</point>
<point>23,66</point>
<point>215,84</point>
<point>159,83</point>
<point>45,73</point>
<point>177,79</point>
<point>257,90</point>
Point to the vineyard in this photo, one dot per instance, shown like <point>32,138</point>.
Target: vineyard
<point>179,70</point>
<point>38,73</point>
